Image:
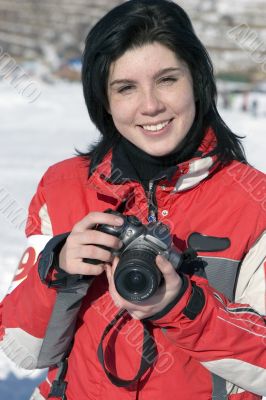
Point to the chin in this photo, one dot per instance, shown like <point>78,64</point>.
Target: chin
<point>159,154</point>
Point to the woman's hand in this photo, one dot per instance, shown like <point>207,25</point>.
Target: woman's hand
<point>84,241</point>
<point>156,303</point>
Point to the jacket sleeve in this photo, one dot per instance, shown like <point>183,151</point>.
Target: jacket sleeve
<point>227,338</point>
<point>38,322</point>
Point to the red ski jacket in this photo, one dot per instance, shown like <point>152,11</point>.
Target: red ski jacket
<point>219,354</point>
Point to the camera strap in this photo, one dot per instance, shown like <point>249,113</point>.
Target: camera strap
<point>59,385</point>
<point>149,353</point>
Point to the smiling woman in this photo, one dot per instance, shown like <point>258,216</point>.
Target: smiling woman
<point>161,188</point>
<point>151,99</point>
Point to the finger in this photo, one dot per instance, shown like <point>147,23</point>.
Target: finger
<point>108,271</point>
<point>93,252</point>
<point>136,315</point>
<point>94,218</point>
<point>78,254</point>
<point>114,264</point>
<point>82,268</point>
<point>97,237</point>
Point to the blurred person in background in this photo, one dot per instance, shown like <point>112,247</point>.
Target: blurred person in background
<point>164,156</point>
<point>254,107</point>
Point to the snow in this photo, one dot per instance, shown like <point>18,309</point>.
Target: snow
<point>38,134</point>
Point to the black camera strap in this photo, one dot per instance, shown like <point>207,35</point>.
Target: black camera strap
<point>59,385</point>
<point>149,353</point>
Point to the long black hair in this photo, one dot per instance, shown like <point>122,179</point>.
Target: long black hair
<point>134,24</point>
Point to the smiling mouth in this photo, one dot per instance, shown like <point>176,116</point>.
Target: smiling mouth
<point>157,127</point>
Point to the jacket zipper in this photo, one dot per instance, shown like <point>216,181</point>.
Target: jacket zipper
<point>152,206</point>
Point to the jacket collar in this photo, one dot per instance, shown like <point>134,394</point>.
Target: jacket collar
<point>114,174</point>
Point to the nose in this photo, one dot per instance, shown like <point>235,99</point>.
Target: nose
<point>151,103</point>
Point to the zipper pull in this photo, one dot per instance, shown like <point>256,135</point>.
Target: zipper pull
<point>152,217</point>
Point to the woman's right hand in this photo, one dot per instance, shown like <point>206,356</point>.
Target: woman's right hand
<point>83,242</point>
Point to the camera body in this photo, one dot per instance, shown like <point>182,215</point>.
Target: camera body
<point>137,276</point>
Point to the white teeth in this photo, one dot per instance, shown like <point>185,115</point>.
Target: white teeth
<point>155,128</point>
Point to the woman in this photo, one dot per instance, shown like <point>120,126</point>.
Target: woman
<point>164,155</point>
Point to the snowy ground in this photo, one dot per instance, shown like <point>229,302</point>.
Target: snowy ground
<point>35,135</point>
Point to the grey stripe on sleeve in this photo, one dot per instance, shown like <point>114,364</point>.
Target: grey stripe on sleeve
<point>60,330</point>
<point>221,274</point>
<point>244,375</point>
<point>30,352</point>
<point>218,388</point>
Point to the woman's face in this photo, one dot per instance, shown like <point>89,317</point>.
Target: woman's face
<point>151,99</point>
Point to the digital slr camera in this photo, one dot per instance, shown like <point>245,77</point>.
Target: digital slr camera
<point>137,276</point>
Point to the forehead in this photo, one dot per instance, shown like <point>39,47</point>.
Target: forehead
<point>145,60</point>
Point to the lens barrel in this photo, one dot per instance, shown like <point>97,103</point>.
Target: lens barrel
<point>137,276</point>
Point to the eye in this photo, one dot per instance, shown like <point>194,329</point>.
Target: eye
<point>168,80</point>
<point>125,89</point>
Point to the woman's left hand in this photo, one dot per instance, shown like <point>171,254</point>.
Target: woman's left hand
<point>156,303</point>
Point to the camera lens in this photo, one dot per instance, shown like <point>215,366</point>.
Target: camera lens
<point>135,281</point>
<point>137,277</point>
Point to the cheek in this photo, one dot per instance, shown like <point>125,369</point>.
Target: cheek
<point>122,112</point>
<point>185,104</point>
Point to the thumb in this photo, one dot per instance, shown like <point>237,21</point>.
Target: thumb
<point>165,266</point>
<point>171,277</point>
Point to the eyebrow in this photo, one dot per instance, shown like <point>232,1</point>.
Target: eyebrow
<point>157,75</point>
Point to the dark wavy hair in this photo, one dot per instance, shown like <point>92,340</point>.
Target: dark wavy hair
<point>134,24</point>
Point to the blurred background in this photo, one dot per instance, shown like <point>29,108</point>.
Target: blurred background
<point>44,118</point>
<point>46,37</point>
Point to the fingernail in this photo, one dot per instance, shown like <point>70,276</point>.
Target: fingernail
<point>119,221</point>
